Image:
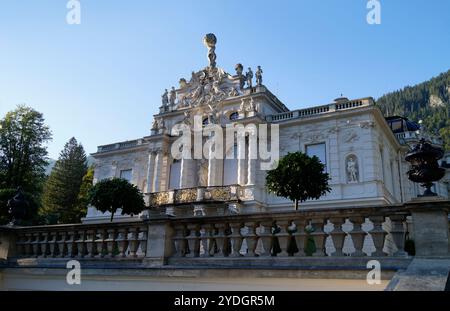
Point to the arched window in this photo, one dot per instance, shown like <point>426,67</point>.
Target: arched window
<point>234,116</point>
<point>205,121</point>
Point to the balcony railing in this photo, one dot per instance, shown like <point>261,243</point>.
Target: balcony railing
<point>357,232</point>
<point>193,195</point>
<point>319,110</point>
<point>120,146</point>
<point>121,240</point>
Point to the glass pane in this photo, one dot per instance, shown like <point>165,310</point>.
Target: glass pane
<point>126,174</point>
<point>317,150</point>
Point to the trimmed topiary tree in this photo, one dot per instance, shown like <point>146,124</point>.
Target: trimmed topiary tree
<point>109,195</point>
<point>298,177</point>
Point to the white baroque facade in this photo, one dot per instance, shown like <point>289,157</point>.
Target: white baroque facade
<point>362,155</point>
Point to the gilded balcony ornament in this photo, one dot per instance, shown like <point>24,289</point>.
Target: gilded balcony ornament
<point>186,195</point>
<point>159,198</point>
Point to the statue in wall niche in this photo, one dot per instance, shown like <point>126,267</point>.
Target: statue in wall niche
<point>165,98</point>
<point>258,76</point>
<point>203,173</point>
<point>249,77</point>
<point>352,169</point>
<point>173,96</point>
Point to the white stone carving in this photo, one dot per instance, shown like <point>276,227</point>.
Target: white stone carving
<point>352,169</point>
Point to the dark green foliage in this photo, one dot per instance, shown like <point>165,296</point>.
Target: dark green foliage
<point>298,177</point>
<point>413,102</point>
<point>23,153</point>
<point>109,195</point>
<point>60,199</point>
<point>30,217</point>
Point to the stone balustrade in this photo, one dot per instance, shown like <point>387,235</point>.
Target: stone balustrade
<point>360,232</point>
<point>319,110</point>
<point>118,240</point>
<point>342,232</point>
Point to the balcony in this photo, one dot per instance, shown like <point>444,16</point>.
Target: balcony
<point>195,195</point>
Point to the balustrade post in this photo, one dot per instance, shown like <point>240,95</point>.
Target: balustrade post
<point>338,235</point>
<point>193,240</point>
<point>28,247</point>
<point>318,236</point>
<point>133,241</point>
<point>378,235</point>
<point>90,243</point>
<point>110,242</point>
<point>300,237</point>
<point>20,245</point>
<point>81,243</point>
<point>221,240</point>
<point>236,239</point>
<point>251,238</point>
<point>35,244</point>
<point>61,243</point>
<point>100,243</point>
<point>122,241</point>
<point>398,234</point>
<point>207,240</point>
<point>70,244</point>
<point>180,240</point>
<point>266,236</point>
<point>43,243</point>
<point>143,239</point>
<point>357,234</point>
<point>283,237</point>
<point>52,244</point>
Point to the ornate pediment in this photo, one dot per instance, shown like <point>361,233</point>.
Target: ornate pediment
<point>207,87</point>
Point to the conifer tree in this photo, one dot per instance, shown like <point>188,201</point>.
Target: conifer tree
<point>60,200</point>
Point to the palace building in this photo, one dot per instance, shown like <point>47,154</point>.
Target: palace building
<point>363,151</point>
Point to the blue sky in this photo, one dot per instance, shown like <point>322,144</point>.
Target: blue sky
<point>101,81</point>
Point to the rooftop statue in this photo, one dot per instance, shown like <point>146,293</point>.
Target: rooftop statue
<point>172,97</point>
<point>239,72</point>
<point>249,77</point>
<point>165,98</point>
<point>258,76</point>
<point>210,41</point>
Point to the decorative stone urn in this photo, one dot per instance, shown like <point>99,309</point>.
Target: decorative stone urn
<point>17,207</point>
<point>424,166</point>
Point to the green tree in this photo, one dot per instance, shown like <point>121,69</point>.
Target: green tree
<point>85,188</point>
<point>108,195</point>
<point>60,199</point>
<point>298,177</point>
<point>23,154</point>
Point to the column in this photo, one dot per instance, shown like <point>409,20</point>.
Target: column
<point>158,171</point>
<point>241,171</point>
<point>215,170</point>
<point>150,171</point>
<point>252,156</point>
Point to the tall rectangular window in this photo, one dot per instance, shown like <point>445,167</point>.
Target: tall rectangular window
<point>126,174</point>
<point>318,150</point>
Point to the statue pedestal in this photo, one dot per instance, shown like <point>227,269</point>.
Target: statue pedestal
<point>430,226</point>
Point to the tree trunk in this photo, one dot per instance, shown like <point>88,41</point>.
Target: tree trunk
<point>296,205</point>
<point>112,215</point>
